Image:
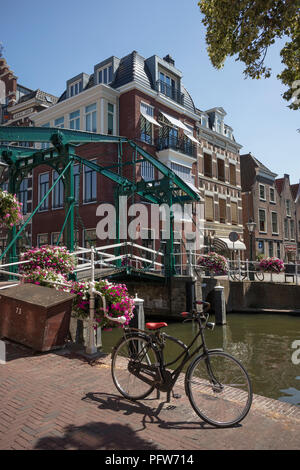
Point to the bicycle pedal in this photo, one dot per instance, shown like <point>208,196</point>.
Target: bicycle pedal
<point>176,395</point>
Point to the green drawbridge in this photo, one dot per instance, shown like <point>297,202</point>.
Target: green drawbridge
<point>62,154</point>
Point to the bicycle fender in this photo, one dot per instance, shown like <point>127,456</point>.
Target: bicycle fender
<point>130,335</point>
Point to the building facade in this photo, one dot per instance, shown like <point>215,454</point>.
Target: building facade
<point>146,101</point>
<point>289,221</point>
<point>17,103</point>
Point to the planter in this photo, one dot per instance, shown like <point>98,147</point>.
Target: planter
<point>38,317</point>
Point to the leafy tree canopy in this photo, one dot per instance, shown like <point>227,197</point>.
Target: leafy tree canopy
<point>247,29</point>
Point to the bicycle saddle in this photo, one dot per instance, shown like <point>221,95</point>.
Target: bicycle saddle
<point>155,326</point>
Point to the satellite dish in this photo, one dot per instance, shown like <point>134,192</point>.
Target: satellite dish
<point>234,237</point>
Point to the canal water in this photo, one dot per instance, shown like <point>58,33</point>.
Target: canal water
<point>263,343</point>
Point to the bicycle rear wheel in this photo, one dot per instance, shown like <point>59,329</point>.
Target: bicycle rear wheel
<point>219,389</point>
<point>130,354</point>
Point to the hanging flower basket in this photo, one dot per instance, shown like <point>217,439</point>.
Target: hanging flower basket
<point>118,302</point>
<point>55,258</point>
<point>10,210</point>
<point>214,263</point>
<point>272,265</point>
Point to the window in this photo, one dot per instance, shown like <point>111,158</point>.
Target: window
<point>147,171</point>
<point>42,239</point>
<point>91,118</point>
<point>221,169</point>
<point>43,189</point>
<point>23,195</point>
<point>59,122</point>
<point>272,195</point>
<point>207,165</point>
<point>262,192</point>
<point>288,207</point>
<point>234,213</point>
<point>209,208</point>
<point>182,171</point>
<point>58,192</point>
<point>146,126</point>
<point>262,220</point>
<point>278,250</point>
<point>76,174</point>
<point>232,174</point>
<point>54,238</point>
<point>286,228</point>
<point>219,125</point>
<point>110,118</point>
<point>222,211</point>
<point>274,222</point>
<point>75,88</point>
<point>90,184</point>
<point>167,85</point>
<point>204,121</point>
<point>105,75</point>
<point>75,120</point>
<point>261,247</point>
<point>292,228</point>
<point>271,249</point>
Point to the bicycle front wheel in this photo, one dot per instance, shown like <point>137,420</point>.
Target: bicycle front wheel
<point>132,367</point>
<point>219,388</point>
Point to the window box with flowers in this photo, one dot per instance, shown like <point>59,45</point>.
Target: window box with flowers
<point>213,264</point>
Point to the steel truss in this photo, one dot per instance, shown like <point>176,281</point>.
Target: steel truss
<point>61,156</point>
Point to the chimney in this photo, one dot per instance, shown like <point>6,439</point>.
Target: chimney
<point>169,59</point>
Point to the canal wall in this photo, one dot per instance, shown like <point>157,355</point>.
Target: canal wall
<point>252,296</point>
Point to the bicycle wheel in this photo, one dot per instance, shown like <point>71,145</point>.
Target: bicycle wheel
<point>218,388</point>
<point>129,355</point>
<point>259,275</point>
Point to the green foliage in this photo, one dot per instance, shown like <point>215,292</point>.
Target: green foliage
<point>247,29</point>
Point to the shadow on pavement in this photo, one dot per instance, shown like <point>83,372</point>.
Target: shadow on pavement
<point>149,414</point>
<point>96,436</point>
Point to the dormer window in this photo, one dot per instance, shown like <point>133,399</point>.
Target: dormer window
<point>168,86</point>
<point>105,74</point>
<point>204,121</point>
<point>75,88</point>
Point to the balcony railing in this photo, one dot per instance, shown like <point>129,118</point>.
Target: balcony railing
<point>170,91</point>
<point>180,145</point>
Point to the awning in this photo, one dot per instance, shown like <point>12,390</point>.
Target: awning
<point>225,243</point>
<point>192,186</point>
<point>176,122</point>
<point>191,137</point>
<point>150,119</point>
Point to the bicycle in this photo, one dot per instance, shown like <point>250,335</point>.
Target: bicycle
<point>237,274</point>
<point>217,384</point>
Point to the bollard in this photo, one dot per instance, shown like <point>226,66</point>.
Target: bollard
<point>138,321</point>
<point>220,307</point>
<point>2,352</point>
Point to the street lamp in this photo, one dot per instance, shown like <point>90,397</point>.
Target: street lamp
<point>251,228</point>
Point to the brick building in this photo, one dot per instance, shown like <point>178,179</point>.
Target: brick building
<point>144,100</point>
<point>17,103</point>
<point>289,220</point>
<point>261,203</point>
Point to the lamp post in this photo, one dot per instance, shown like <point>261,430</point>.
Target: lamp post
<point>251,228</point>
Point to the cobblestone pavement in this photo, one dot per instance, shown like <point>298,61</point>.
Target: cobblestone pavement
<point>58,400</point>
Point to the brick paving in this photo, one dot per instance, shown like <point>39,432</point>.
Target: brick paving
<point>58,400</point>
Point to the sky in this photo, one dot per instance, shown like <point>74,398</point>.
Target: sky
<point>46,43</point>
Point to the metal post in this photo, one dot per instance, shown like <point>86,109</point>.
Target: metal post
<point>251,270</point>
<point>91,348</point>
<point>138,321</point>
<point>2,352</point>
<point>220,306</point>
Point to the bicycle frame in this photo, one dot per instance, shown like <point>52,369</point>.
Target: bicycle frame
<point>157,340</point>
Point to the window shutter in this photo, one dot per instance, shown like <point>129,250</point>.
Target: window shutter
<point>234,213</point>
<point>222,206</point>
<point>209,208</point>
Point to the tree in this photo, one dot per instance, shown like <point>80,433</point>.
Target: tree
<point>1,49</point>
<point>247,29</point>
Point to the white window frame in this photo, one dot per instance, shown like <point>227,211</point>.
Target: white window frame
<point>61,125</point>
<point>39,190</point>
<point>41,235</point>
<point>93,114</point>
<point>83,185</point>
<point>73,87</point>
<point>266,222</point>
<point>74,119</point>
<point>273,201</point>
<point>56,186</point>
<point>101,69</point>
<point>274,212</point>
<point>262,186</point>
<point>294,235</point>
